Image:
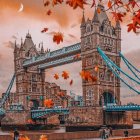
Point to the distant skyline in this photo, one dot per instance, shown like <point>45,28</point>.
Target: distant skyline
<point>14,25</point>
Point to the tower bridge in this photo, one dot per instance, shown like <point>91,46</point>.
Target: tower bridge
<point>100,46</point>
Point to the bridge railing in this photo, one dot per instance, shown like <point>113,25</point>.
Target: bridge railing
<point>52,54</point>
<point>122,108</point>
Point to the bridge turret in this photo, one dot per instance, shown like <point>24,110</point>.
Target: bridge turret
<point>42,49</point>
<point>118,34</point>
<point>83,25</point>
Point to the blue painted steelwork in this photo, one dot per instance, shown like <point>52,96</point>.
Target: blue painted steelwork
<point>2,111</point>
<point>115,69</point>
<point>130,66</point>
<point>76,48</point>
<point>7,92</point>
<point>118,108</point>
<point>59,62</point>
<point>40,113</point>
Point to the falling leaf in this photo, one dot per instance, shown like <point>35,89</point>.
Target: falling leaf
<point>30,121</point>
<point>77,56</point>
<point>117,16</point>
<point>76,3</point>
<point>48,103</point>
<point>46,3</point>
<point>133,27</point>
<point>56,76</point>
<point>23,138</point>
<point>71,82</point>
<point>65,75</point>
<point>43,137</point>
<point>86,75</point>
<point>109,4</point>
<point>55,2</point>
<point>58,37</point>
<point>44,30</point>
<point>49,12</point>
<point>98,10</point>
<point>60,94</point>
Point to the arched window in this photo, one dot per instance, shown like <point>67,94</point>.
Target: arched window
<point>88,29</point>
<point>107,76</point>
<point>105,30</point>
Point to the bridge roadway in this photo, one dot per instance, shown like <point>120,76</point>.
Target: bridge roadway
<point>59,57</point>
<point>113,108</point>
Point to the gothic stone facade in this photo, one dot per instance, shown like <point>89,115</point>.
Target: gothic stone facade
<point>100,32</point>
<point>31,87</point>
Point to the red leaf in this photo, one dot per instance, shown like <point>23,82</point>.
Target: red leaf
<point>76,3</point>
<point>117,16</point>
<point>49,12</point>
<point>44,30</point>
<point>58,37</point>
<point>56,76</point>
<point>71,82</point>
<point>65,75</point>
<point>46,3</point>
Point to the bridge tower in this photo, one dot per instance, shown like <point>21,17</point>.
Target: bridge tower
<point>100,32</point>
<point>29,81</point>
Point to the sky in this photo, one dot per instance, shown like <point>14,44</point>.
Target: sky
<point>14,25</point>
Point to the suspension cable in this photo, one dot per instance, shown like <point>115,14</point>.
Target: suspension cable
<point>116,74</point>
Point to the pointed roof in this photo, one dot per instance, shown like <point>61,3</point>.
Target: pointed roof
<point>42,49</point>
<point>28,43</point>
<point>95,18</point>
<point>15,49</point>
<point>118,26</point>
<point>83,19</point>
<point>100,16</point>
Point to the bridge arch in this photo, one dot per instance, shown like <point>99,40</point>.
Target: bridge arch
<point>35,103</point>
<point>107,97</point>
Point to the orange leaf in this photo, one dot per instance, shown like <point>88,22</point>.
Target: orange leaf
<point>98,10</point>
<point>58,37</point>
<point>65,75</point>
<point>56,76</point>
<point>76,3</point>
<point>43,137</point>
<point>77,56</point>
<point>109,4</point>
<point>48,103</point>
<point>23,138</point>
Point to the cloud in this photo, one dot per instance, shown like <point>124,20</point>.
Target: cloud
<point>9,44</point>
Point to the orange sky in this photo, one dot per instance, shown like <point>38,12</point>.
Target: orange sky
<point>14,25</point>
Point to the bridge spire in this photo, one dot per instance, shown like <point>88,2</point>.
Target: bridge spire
<point>42,49</point>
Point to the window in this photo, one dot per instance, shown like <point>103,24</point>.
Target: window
<point>88,29</point>
<point>105,31</point>
<point>34,87</point>
<point>88,40</point>
<point>33,77</point>
<point>105,40</point>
